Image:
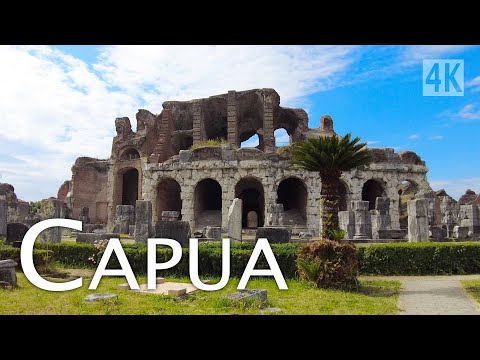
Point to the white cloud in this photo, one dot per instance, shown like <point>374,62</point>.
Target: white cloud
<point>414,136</point>
<point>417,53</point>
<point>55,107</point>
<point>188,72</point>
<point>474,84</point>
<point>436,137</point>
<point>457,187</point>
<point>469,112</point>
<point>372,142</point>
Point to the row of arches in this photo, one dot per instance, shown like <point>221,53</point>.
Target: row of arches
<point>292,193</point>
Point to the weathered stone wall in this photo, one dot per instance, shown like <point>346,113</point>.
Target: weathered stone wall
<point>227,170</point>
<point>89,189</point>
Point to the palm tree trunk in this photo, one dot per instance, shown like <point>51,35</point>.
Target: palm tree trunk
<point>329,206</point>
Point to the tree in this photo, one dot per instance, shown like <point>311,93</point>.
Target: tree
<point>330,156</point>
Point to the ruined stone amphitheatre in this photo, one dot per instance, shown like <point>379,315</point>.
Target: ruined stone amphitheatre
<point>169,176</point>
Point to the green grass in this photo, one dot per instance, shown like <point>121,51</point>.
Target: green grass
<point>472,287</point>
<point>373,297</point>
<point>210,143</point>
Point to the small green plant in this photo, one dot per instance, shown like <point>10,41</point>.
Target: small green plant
<point>329,231</point>
<point>310,268</point>
<point>338,234</point>
<point>210,143</point>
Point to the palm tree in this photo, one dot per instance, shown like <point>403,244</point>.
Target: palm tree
<point>330,156</point>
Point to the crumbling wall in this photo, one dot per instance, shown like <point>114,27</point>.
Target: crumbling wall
<point>89,188</point>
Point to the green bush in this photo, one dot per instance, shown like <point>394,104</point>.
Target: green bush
<point>425,258</point>
<point>328,264</point>
<point>39,256</point>
<point>209,257</point>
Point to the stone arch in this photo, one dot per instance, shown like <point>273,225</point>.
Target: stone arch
<point>208,203</point>
<point>250,118</point>
<point>282,137</point>
<point>168,197</point>
<point>250,190</point>
<point>372,189</point>
<point>292,193</point>
<point>407,189</point>
<point>130,154</point>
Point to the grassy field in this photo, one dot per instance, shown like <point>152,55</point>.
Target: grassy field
<point>373,297</point>
<point>473,288</point>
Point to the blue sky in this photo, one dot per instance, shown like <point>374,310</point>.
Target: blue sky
<point>60,102</point>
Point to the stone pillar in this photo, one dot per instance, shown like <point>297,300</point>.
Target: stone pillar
<point>3,217</point>
<point>7,272</point>
<point>268,128</point>
<point>363,224</point>
<point>124,217</point>
<point>59,212</point>
<point>460,232</point>
<point>232,118</point>
<point>198,127</point>
<point>235,220</point>
<point>449,210</point>
<point>418,220</point>
<point>274,215</point>
<point>431,198</point>
<point>143,221</point>
<point>84,218</point>
<point>470,217</point>
<point>346,220</point>
<point>381,217</point>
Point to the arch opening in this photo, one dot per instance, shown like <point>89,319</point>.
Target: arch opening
<point>371,190</point>
<point>130,154</point>
<point>250,191</point>
<point>168,197</point>
<point>208,203</point>
<point>130,187</point>
<point>282,138</point>
<point>292,194</point>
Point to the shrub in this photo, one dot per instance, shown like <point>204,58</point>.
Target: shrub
<point>39,256</point>
<point>70,254</point>
<point>425,258</point>
<point>328,264</point>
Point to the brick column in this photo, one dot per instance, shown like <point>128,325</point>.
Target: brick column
<point>197,124</point>
<point>162,149</point>
<point>268,136</point>
<point>232,118</point>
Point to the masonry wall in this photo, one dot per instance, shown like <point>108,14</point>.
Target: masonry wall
<point>90,190</point>
<point>270,174</point>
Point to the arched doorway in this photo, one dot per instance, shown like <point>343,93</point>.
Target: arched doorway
<point>168,197</point>
<point>208,203</point>
<point>407,191</point>
<point>292,193</point>
<point>371,190</point>
<point>250,190</point>
<point>130,154</point>
<point>130,187</point>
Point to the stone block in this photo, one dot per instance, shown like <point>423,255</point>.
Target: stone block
<point>15,232</point>
<point>235,220</point>
<point>100,296</point>
<point>418,229</point>
<point>176,230</point>
<point>248,294</point>
<point>143,221</point>
<point>395,234</point>
<point>274,235</point>
<point>3,217</point>
<point>213,232</point>
<point>460,232</point>
<point>176,292</point>
<point>160,280</point>
<point>7,272</point>
<point>170,215</point>
<point>346,221</point>
<point>124,217</point>
<point>363,221</point>
<point>438,233</point>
